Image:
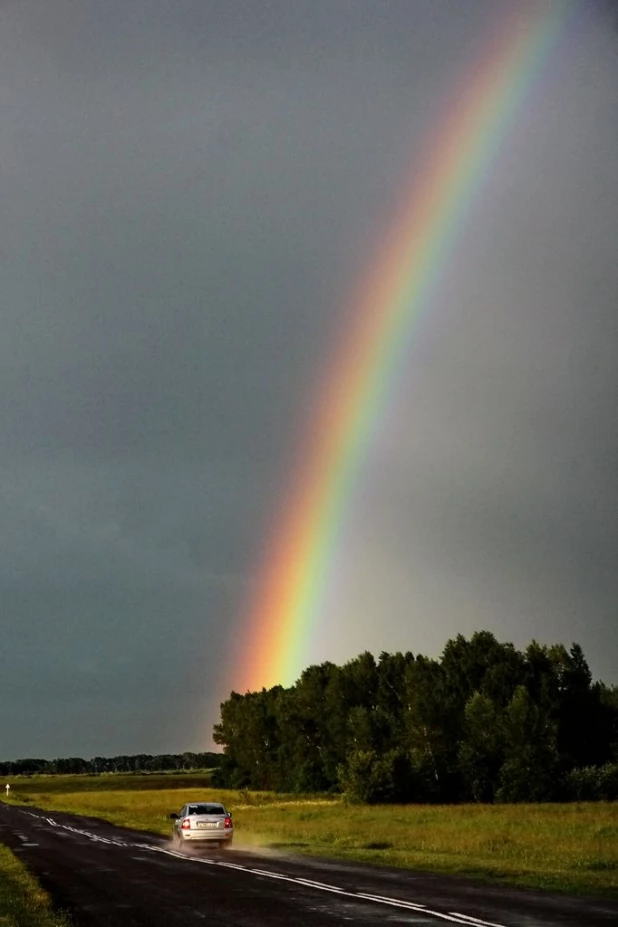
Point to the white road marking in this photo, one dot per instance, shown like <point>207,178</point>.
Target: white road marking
<point>324,885</point>
<point>263,872</point>
<point>453,916</point>
<point>475,921</point>
<point>382,899</point>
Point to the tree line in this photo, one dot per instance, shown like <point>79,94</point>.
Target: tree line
<point>485,722</point>
<point>140,762</point>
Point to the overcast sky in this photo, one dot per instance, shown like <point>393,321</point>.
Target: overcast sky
<point>189,189</point>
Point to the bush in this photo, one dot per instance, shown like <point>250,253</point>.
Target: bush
<point>229,776</point>
<point>592,783</point>
<point>310,778</point>
<point>526,778</point>
<point>369,778</point>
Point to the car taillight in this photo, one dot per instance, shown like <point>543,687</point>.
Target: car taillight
<point>228,822</point>
<point>186,824</point>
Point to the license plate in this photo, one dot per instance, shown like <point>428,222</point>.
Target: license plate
<point>206,824</point>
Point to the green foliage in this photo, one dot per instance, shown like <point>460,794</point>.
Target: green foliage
<point>357,774</point>
<point>371,778</point>
<point>529,769</point>
<point>592,783</point>
<point>137,763</point>
<point>486,723</point>
<point>482,748</point>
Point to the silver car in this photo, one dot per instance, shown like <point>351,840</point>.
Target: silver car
<point>202,821</point>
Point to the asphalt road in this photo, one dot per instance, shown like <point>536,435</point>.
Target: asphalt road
<point>108,876</point>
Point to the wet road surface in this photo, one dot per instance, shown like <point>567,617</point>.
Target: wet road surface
<point>106,875</point>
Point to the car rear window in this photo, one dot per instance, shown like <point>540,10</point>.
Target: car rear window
<point>206,809</point>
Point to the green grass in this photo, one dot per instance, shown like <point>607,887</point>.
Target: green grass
<point>571,848</point>
<point>23,903</point>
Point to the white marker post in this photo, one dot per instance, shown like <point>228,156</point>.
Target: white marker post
<point>8,789</point>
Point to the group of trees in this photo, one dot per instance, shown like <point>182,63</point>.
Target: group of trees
<point>483,723</point>
<point>141,762</point>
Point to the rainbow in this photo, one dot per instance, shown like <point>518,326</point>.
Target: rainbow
<point>399,287</point>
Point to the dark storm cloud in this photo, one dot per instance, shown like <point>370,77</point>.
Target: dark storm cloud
<point>498,498</point>
<point>188,190</point>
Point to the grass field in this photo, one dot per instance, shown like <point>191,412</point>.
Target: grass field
<point>22,900</point>
<point>571,848</point>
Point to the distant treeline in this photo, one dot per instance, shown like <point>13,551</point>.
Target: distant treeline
<point>141,762</point>
<point>484,723</point>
